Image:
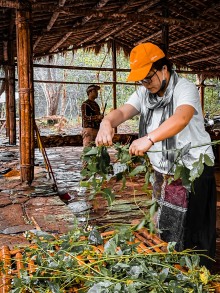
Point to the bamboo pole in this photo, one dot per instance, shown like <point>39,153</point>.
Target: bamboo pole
<point>200,79</point>
<point>11,87</point>
<point>5,54</point>
<point>114,65</point>
<point>5,280</point>
<point>165,27</point>
<point>25,82</point>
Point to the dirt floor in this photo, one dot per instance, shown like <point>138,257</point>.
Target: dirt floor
<point>25,208</point>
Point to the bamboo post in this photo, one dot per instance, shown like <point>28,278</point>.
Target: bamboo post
<point>5,53</point>
<point>5,279</point>
<point>11,92</point>
<point>165,27</point>
<point>114,66</point>
<point>200,80</point>
<point>25,85</point>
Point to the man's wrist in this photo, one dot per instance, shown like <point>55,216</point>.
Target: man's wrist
<point>150,139</point>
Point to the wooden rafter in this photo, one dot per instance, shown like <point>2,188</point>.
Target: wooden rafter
<point>195,51</point>
<point>9,4</point>
<point>118,28</point>
<point>203,59</point>
<point>51,23</point>
<point>191,37</point>
<point>113,31</point>
<point>146,6</point>
<point>154,35</point>
<point>99,5</point>
<point>89,38</point>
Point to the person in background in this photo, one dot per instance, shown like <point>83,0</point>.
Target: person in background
<point>170,118</point>
<point>91,116</point>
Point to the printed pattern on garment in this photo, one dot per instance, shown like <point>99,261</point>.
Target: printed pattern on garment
<point>171,217</point>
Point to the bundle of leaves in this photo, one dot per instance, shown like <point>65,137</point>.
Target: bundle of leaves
<point>99,167</point>
<point>82,261</point>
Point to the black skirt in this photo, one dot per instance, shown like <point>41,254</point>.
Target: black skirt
<point>200,232</point>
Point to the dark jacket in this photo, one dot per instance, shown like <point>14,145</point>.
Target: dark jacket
<point>90,112</point>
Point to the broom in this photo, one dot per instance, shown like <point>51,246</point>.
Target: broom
<point>62,194</point>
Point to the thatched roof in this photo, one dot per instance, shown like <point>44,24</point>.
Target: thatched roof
<point>194,27</point>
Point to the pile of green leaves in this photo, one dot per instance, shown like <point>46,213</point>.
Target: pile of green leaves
<point>63,263</point>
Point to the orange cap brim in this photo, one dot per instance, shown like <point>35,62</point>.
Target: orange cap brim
<point>139,74</point>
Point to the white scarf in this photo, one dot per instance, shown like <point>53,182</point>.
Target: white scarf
<point>152,101</point>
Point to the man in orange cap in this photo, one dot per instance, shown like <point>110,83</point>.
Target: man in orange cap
<point>170,118</point>
<point>91,116</point>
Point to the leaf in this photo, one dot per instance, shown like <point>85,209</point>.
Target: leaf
<point>163,274</point>
<point>125,158</point>
<point>97,288</point>
<point>137,170</point>
<point>54,287</point>
<point>185,178</point>
<point>140,225</point>
<point>153,208</point>
<point>136,271</point>
<point>93,151</point>
<point>196,171</point>
<point>84,184</point>
<point>95,237</point>
<point>109,195</point>
<point>195,260</point>
<point>123,182</point>
<point>188,262</point>
<point>147,178</point>
<point>171,246</point>
<point>204,275</point>
<point>208,161</point>
<point>178,172</point>
<point>110,247</point>
<point>185,150</point>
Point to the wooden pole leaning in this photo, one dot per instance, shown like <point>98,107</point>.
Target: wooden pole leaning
<point>25,85</point>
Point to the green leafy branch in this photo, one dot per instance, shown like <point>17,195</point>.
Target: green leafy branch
<point>99,168</point>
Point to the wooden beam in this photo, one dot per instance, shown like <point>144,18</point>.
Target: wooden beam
<point>147,38</point>
<point>195,51</point>
<point>61,41</point>
<point>85,19</point>
<point>203,59</point>
<point>140,17</point>
<point>165,27</point>
<point>119,27</point>
<point>114,76</point>
<point>191,36</point>
<point>79,67</point>
<point>50,24</point>
<point>146,6</point>
<point>98,32</point>
<point>26,94</point>
<point>11,82</point>
<point>9,4</point>
<point>200,79</point>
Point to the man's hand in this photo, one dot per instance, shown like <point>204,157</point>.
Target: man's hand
<point>105,134</point>
<point>140,146</point>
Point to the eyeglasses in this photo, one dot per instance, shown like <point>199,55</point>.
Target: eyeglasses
<point>147,79</point>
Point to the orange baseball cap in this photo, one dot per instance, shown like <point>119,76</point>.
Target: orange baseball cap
<point>141,59</point>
